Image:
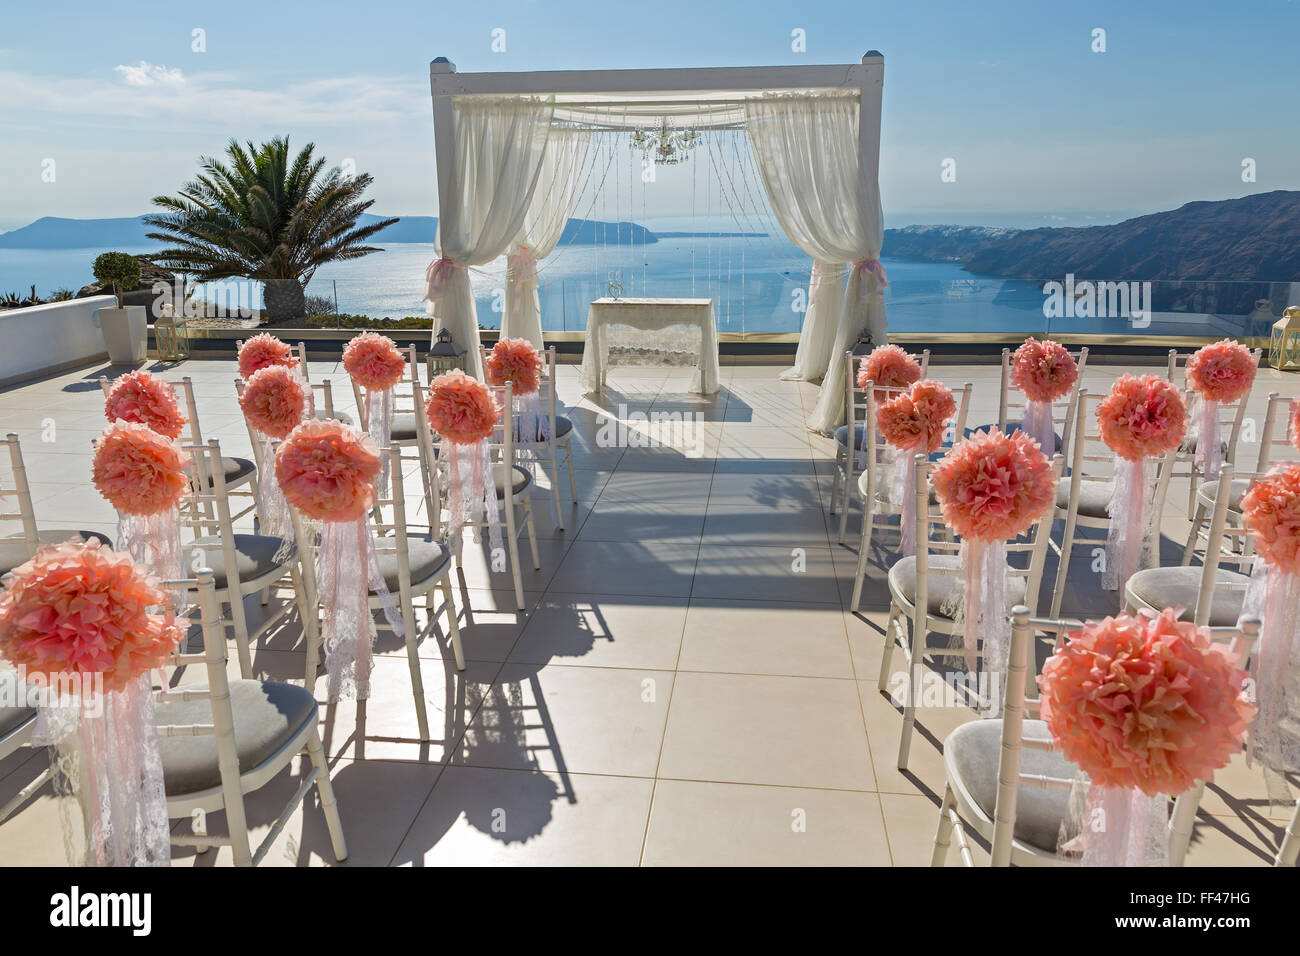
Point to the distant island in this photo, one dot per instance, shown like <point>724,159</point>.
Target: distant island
<point>1255,238</point>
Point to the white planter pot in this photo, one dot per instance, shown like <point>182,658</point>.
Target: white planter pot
<point>126,334</point>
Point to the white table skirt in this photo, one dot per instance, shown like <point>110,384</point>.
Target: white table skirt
<point>657,332</point>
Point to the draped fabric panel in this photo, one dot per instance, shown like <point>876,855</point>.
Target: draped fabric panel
<point>500,145</point>
<point>557,183</point>
<point>806,151</point>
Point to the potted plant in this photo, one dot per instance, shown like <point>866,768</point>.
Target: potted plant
<point>126,328</point>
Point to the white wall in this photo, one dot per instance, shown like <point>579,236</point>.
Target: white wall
<point>46,338</point>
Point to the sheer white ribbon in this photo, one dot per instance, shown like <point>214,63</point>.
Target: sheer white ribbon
<point>1128,540</point>
<point>1274,742</point>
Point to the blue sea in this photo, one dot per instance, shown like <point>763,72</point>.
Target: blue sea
<point>758,282</point>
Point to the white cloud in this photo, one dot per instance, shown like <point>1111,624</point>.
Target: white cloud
<point>146,74</point>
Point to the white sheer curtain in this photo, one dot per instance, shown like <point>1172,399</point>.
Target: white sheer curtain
<point>566,150</point>
<point>806,150</point>
<point>499,148</point>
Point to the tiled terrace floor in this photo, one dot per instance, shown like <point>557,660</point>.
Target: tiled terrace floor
<point>687,685</point>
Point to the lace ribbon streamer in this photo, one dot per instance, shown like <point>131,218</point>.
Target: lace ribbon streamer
<point>533,439</point>
<point>471,492</point>
<point>1274,742</point>
<point>379,423</point>
<point>901,490</point>
<point>982,606</point>
<point>1111,826</point>
<point>154,541</point>
<point>1203,437</point>
<point>106,761</point>
<point>1128,541</point>
<point>1039,426</point>
<point>348,567</point>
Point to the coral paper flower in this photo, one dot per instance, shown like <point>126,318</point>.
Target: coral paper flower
<point>138,471</point>
<point>993,486</point>
<point>327,470</point>
<point>514,361</point>
<point>1146,703</point>
<point>1043,371</point>
<point>374,362</point>
<point>461,409</point>
<point>1222,372</point>
<point>888,366</point>
<point>146,400</point>
<point>1271,510</point>
<point>1142,417</point>
<point>263,350</point>
<point>79,608</point>
<point>274,401</point>
<point>917,418</point>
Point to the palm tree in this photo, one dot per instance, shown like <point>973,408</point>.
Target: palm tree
<point>266,216</point>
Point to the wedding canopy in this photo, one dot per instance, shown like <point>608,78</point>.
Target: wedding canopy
<point>509,145</point>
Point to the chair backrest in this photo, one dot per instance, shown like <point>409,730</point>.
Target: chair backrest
<point>1016,703</point>
<point>1230,414</point>
<point>1091,459</point>
<point>1227,543</point>
<point>256,439</point>
<point>1063,410</point>
<point>852,393</point>
<point>545,386</point>
<point>19,489</point>
<point>1275,444</point>
<point>935,538</point>
<point>393,498</point>
<point>299,353</point>
<point>406,395</point>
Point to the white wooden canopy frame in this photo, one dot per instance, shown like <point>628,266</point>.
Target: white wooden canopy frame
<point>701,98</point>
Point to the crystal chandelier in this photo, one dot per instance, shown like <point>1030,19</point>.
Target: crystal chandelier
<point>668,146</point>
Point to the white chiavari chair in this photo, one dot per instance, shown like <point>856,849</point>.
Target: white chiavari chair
<point>408,430</point>
<point>244,564</point>
<point>18,546</point>
<point>512,485</point>
<point>871,479</point>
<point>239,475</point>
<point>1275,448</point>
<point>222,738</point>
<point>923,587</point>
<point>857,410</point>
<point>1231,416</point>
<point>1084,500</point>
<point>1214,592</point>
<point>323,392</point>
<point>1007,780</point>
<point>1012,404</point>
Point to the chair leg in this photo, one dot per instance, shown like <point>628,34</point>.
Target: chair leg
<point>864,546</point>
<point>555,486</point>
<point>532,535</point>
<point>568,460</point>
<point>943,836</point>
<point>912,691</point>
<point>845,506</point>
<point>1289,849</point>
<point>238,618</point>
<point>413,659</point>
<point>836,477</point>
<point>453,626</point>
<point>1197,520</point>
<point>1067,545</point>
<point>887,653</point>
<point>328,805</point>
<point>310,631</point>
<point>1181,822</point>
<point>512,544</point>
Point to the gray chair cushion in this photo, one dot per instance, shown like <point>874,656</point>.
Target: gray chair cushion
<point>12,714</point>
<point>902,578</point>
<point>842,435</point>
<point>427,557</point>
<point>1011,429</point>
<point>1094,497</point>
<point>403,427</point>
<point>267,716</point>
<point>562,427</point>
<point>13,550</point>
<point>1189,445</point>
<point>1209,491</point>
<point>521,479</point>
<point>235,470</point>
<point>338,416</point>
<point>1178,587</point>
<point>972,752</point>
<point>254,556</point>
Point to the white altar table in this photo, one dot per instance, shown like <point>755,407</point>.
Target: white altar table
<point>672,332</point>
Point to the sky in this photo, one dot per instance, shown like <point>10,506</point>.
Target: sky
<point>104,106</point>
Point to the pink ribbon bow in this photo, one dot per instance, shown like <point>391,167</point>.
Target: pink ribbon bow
<point>437,276</point>
<point>871,266</point>
<point>520,267</point>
